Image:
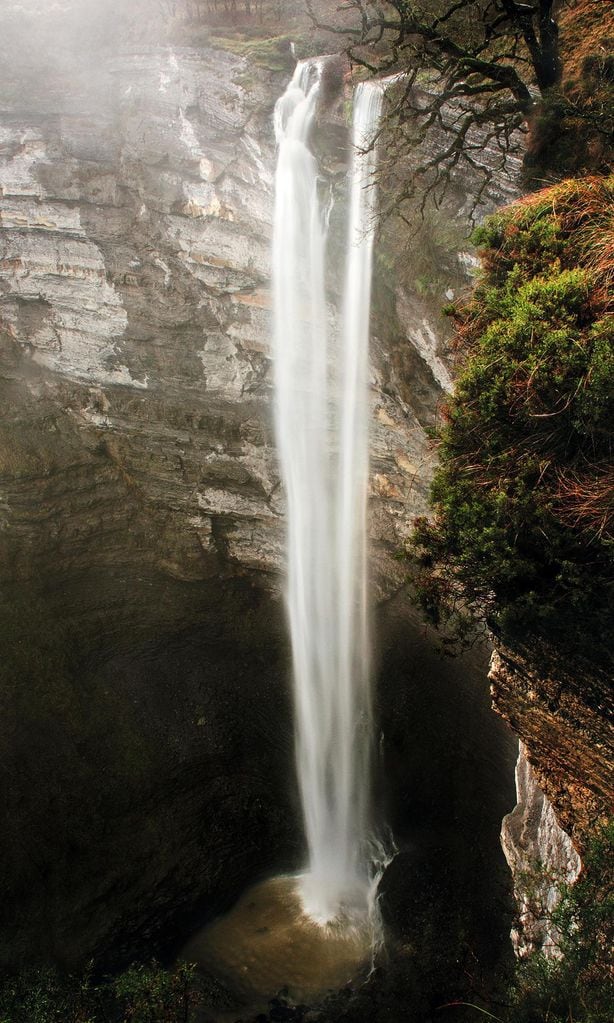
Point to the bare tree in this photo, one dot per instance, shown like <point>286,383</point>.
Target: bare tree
<point>472,76</point>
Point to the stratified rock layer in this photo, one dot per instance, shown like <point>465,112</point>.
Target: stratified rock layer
<point>141,517</point>
<point>563,715</point>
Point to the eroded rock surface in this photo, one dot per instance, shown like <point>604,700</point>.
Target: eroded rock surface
<point>134,307</point>
<point>140,505</point>
<point>563,715</point>
<point>541,857</point>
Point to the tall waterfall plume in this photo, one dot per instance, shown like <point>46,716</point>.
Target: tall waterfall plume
<point>322,417</point>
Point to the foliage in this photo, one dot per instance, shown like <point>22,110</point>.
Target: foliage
<point>142,994</point>
<point>149,994</point>
<point>522,537</point>
<point>577,983</point>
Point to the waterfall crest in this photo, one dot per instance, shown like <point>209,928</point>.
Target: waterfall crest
<point>322,415</point>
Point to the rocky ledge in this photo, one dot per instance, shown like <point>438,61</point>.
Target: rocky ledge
<point>563,715</point>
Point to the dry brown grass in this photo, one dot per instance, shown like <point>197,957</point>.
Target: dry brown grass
<point>586,28</point>
<point>586,500</point>
<point>584,208</point>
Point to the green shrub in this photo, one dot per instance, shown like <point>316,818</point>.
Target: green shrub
<point>523,531</point>
<point>577,984</point>
<point>149,994</point>
<point>142,994</point>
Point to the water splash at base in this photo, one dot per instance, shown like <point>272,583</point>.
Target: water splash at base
<point>267,943</point>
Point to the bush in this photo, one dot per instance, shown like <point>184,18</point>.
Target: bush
<point>523,532</point>
<point>577,984</point>
<point>142,994</point>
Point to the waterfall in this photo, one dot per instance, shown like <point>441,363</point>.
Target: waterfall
<point>322,414</point>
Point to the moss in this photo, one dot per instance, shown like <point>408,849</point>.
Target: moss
<point>523,526</point>
<point>272,54</point>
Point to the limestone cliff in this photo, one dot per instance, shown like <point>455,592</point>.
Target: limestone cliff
<point>541,857</point>
<point>136,314</point>
<point>140,505</point>
<point>146,772</point>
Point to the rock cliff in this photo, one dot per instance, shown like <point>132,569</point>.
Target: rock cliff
<point>135,311</point>
<point>141,516</point>
<point>541,857</point>
<point>563,715</point>
<point>146,769</point>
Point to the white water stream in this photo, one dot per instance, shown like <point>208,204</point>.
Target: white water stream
<point>322,423</point>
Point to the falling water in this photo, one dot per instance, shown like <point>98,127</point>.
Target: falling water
<point>322,436</point>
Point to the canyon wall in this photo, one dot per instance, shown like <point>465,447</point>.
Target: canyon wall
<point>135,312</point>
<point>141,516</point>
<point>562,713</point>
<point>147,738</point>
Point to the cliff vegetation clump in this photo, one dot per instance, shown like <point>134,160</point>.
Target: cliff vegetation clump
<point>142,994</point>
<point>522,534</point>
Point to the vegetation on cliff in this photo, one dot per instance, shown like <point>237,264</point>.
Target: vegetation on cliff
<point>576,982</point>
<point>142,994</point>
<point>522,533</point>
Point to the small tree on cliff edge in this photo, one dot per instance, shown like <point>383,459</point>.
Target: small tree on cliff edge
<point>474,75</point>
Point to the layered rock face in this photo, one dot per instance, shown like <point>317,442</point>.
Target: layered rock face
<point>136,320</point>
<point>563,715</point>
<point>138,487</point>
<point>135,314</point>
<point>141,513</point>
<point>147,776</point>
